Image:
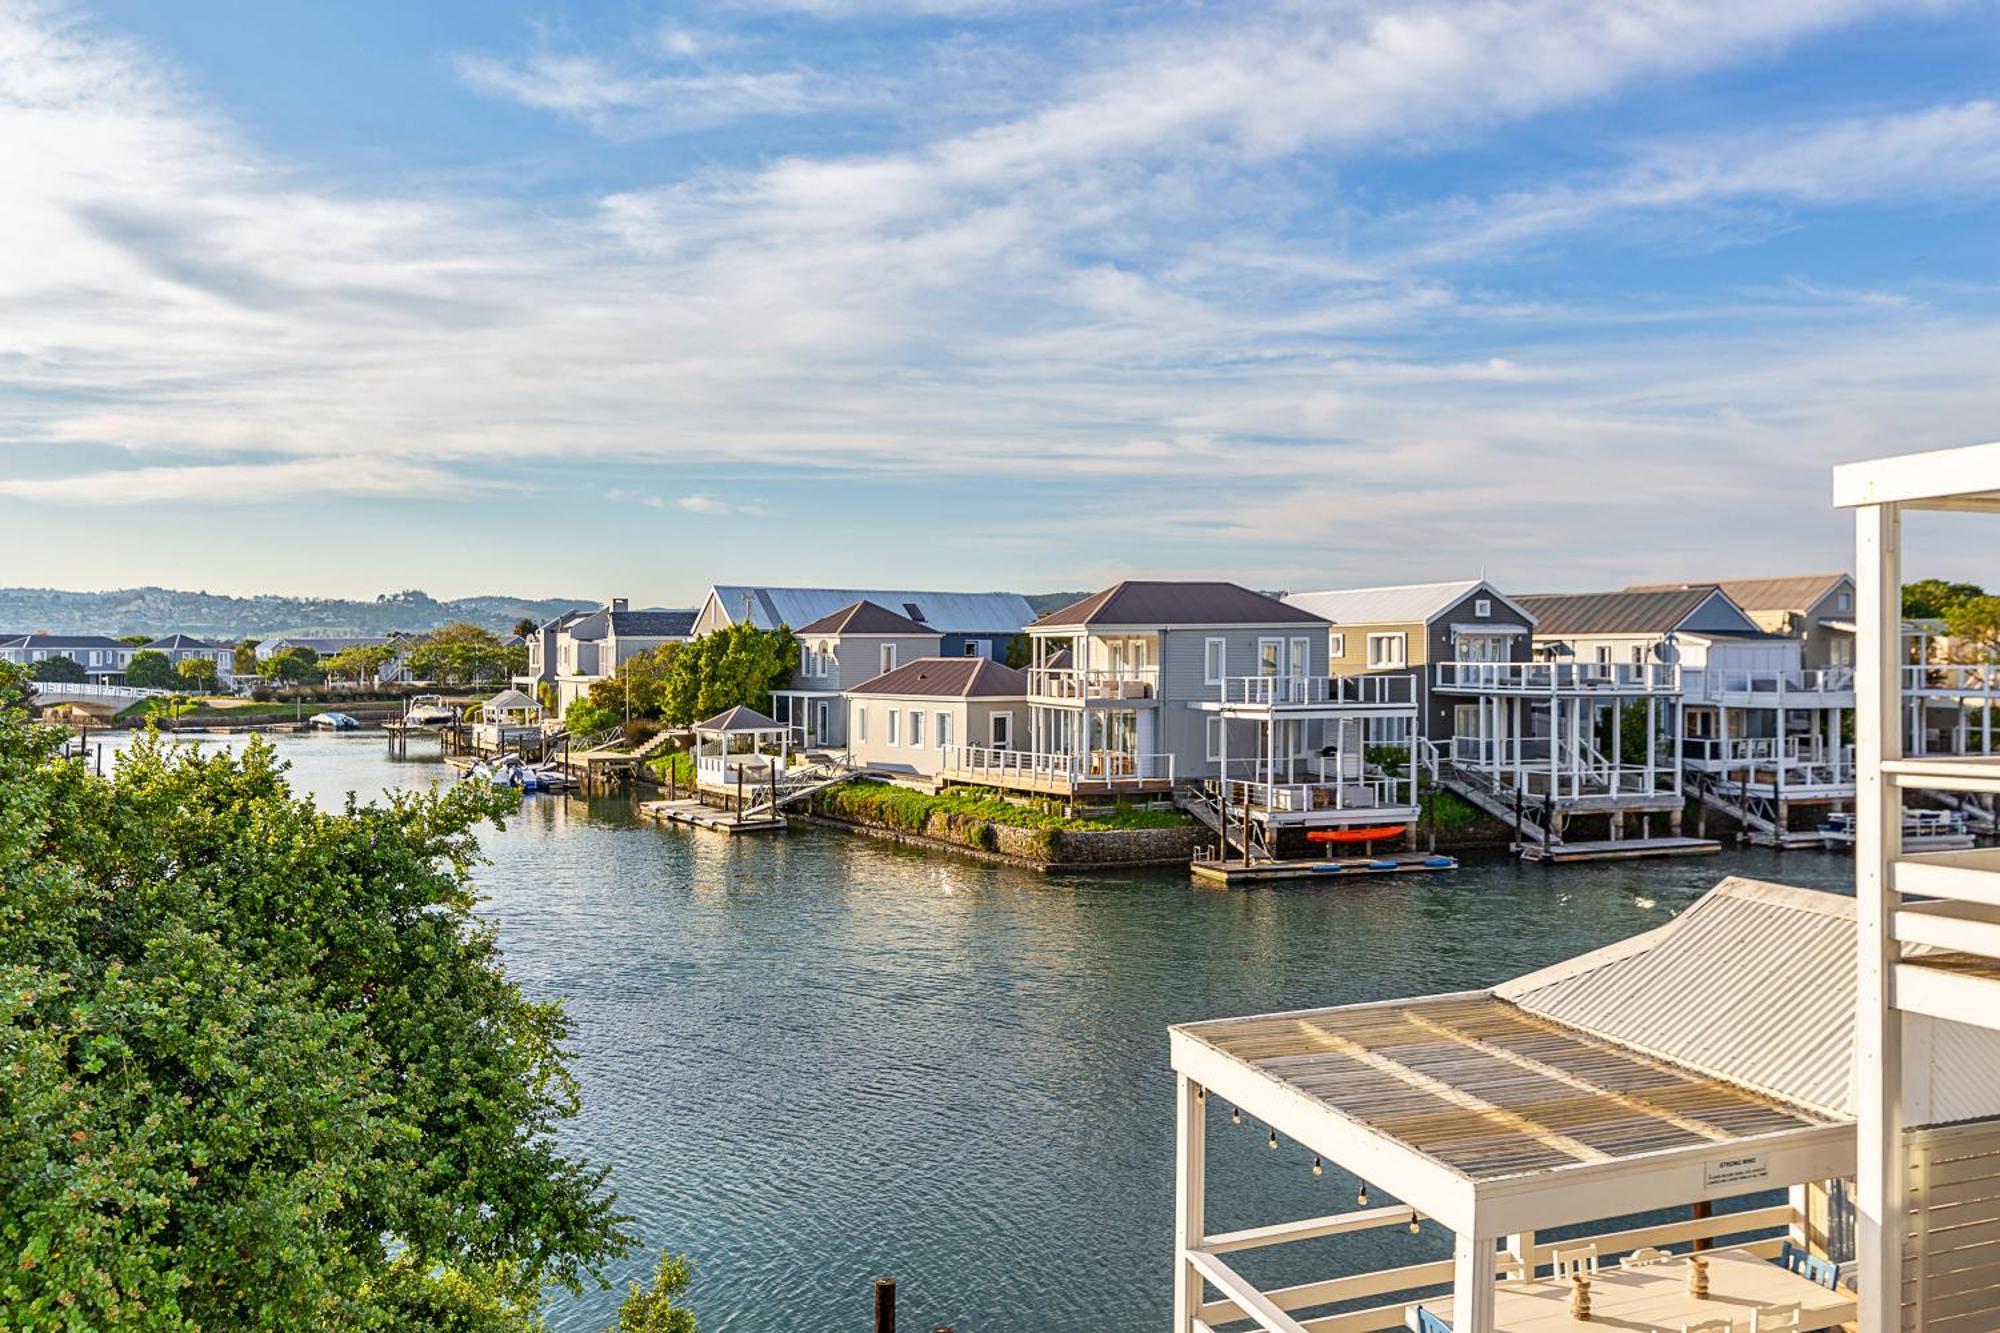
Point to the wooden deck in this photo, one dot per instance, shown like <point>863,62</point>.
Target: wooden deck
<point>1227,873</point>
<point>693,814</point>
<point>1619,849</point>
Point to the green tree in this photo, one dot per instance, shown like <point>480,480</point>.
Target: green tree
<point>292,666</point>
<point>657,1309</point>
<point>1973,626</point>
<point>59,670</point>
<point>245,658</point>
<point>736,665</point>
<point>359,662</point>
<point>150,670</point>
<point>526,627</point>
<point>135,640</point>
<point>465,654</point>
<point>263,1067</point>
<point>1933,599</point>
<point>197,675</point>
<point>637,691</point>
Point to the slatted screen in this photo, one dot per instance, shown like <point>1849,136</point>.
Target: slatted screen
<point>1951,1252</point>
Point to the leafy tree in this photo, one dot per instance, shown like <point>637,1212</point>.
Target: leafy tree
<point>1020,652</point>
<point>359,662</point>
<point>1933,599</point>
<point>657,1309</point>
<point>636,691</point>
<point>245,655</point>
<point>292,666</point>
<point>197,674</point>
<point>263,1067</point>
<point>465,654</point>
<point>736,665</point>
<point>150,670</point>
<point>1973,625</point>
<point>526,627</point>
<point>136,640</point>
<point>59,670</point>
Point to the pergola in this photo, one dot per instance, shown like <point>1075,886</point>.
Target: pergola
<point>1495,1122</point>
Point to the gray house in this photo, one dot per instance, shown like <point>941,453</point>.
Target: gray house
<point>908,720</point>
<point>594,645</point>
<point>858,642</point>
<point>979,624</point>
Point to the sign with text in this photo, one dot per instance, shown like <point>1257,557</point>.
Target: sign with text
<point>1747,1169</point>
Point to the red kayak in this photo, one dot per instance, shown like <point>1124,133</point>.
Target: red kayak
<point>1354,834</point>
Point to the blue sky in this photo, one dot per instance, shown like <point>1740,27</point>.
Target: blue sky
<point>632,298</point>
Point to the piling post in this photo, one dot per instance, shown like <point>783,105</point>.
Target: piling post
<point>885,1305</point>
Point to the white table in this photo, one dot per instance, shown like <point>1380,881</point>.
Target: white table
<point>1655,1299</point>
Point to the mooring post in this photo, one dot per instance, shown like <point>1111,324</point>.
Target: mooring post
<point>885,1305</point>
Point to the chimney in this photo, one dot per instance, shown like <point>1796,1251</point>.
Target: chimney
<point>621,604</point>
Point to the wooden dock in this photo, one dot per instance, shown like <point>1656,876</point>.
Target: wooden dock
<point>1618,849</point>
<point>1227,873</point>
<point>693,814</point>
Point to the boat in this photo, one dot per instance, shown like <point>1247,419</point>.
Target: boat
<point>331,721</point>
<point>1923,831</point>
<point>510,770</point>
<point>1355,834</point>
<point>429,710</point>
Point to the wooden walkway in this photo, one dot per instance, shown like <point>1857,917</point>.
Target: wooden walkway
<point>693,814</point>
<point>1619,849</point>
<point>1227,873</point>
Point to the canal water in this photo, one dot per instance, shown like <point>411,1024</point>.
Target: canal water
<point>815,1058</point>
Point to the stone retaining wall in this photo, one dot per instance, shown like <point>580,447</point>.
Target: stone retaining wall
<point>1037,849</point>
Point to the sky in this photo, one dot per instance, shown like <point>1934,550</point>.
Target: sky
<point>629,298</point>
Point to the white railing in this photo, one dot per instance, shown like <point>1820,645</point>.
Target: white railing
<point>1805,763</point>
<point>1368,793</point>
<point>1552,678</point>
<point>1397,689</point>
<point>1004,767</point>
<point>1094,682</point>
<point>722,770</point>
<point>1953,678</point>
<point>74,690</point>
<point>1771,686</point>
<point>1583,772</point>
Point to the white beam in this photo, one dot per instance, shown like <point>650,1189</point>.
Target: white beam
<point>1475,1269</point>
<point>1948,478</point>
<point>1190,1197</point>
<point>1254,1303</point>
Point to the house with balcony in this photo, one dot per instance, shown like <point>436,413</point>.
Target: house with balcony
<point>917,720</point>
<point>102,659</point>
<point>179,648</point>
<point>974,624</point>
<point>592,647</point>
<point>857,643</point>
<point>1759,736</point>
<point>545,652</point>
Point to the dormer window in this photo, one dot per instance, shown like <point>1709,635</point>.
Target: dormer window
<point>1483,607</point>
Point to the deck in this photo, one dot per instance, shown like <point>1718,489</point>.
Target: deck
<point>1618,849</point>
<point>1229,873</point>
<point>693,814</point>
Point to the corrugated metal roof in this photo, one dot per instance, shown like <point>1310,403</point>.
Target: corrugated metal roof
<point>1409,603</point>
<point>949,678</point>
<point>1178,602</point>
<point>1753,983</point>
<point>1654,612</point>
<point>1795,592</point>
<point>864,617</point>
<point>740,719</point>
<point>992,613</point>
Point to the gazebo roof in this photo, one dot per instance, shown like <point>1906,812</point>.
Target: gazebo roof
<point>510,699</point>
<point>740,721</point>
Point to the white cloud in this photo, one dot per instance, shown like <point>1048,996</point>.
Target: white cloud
<point>244,483</point>
<point>708,504</point>
<point>618,495</point>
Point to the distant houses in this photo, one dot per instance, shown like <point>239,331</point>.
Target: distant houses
<point>980,624</point>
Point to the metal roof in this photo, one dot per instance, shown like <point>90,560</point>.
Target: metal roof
<point>66,641</point>
<point>740,719</point>
<point>949,678</point>
<point>182,642</point>
<point>864,617</point>
<point>1655,612</point>
<point>1141,602</point>
<point>1404,604</point>
<point>1754,983</point>
<point>992,613</point>
<point>654,624</point>
<point>1796,592</point>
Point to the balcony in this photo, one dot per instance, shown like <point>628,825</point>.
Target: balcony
<point>1831,688</point>
<point>1093,772</point>
<point>1552,679</point>
<point>1095,684</point>
<point>1796,766</point>
<point>1953,680</point>
<point>1391,691</point>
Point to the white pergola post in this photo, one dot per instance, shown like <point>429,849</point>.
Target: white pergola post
<point>1190,1197</point>
<point>1475,1269</point>
<point>1878,1045</point>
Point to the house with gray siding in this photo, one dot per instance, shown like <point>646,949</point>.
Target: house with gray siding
<point>908,721</point>
<point>594,645</point>
<point>978,624</point>
<point>859,642</point>
<point>102,659</point>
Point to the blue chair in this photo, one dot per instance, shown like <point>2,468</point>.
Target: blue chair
<point>1813,1269</point>
<point>1430,1323</point>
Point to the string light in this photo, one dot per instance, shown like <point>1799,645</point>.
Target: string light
<point>1362,1197</point>
<point>1414,1228</point>
<point>1273,1144</point>
<point>1317,1168</point>
<point>1235,1115</point>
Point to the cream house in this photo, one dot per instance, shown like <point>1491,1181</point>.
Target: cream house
<point>905,722</point>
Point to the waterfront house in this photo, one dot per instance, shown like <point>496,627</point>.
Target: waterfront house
<point>979,624</point>
<point>593,646</point>
<point>1757,734</point>
<point>1928,995</point>
<point>910,720</point>
<point>859,642</point>
<point>321,645</point>
<point>179,648</point>
<point>545,652</point>
<point>102,659</point>
<point>1815,609</point>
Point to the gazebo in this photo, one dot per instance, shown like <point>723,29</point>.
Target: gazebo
<point>1706,1060</point>
<point>507,720</point>
<point>728,749</point>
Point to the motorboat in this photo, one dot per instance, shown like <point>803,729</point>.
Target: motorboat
<point>1923,830</point>
<point>330,721</point>
<point>429,710</point>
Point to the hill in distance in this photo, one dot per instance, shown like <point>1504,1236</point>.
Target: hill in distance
<point>212,616</point>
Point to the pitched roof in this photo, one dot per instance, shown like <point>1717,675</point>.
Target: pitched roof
<point>67,641</point>
<point>1796,592</point>
<point>181,642</point>
<point>654,624</point>
<point>864,617</point>
<point>510,699</point>
<point>1145,602</point>
<point>1401,604</point>
<point>993,613</point>
<point>1654,612</point>
<point>740,719</point>
<point>949,678</point>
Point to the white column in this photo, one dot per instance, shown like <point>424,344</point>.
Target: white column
<point>1190,1196</point>
<point>1878,1046</point>
<point>1475,1267</point>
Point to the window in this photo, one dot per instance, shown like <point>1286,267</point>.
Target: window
<point>1482,607</point>
<point>888,657</point>
<point>975,648</point>
<point>916,730</point>
<point>944,731</point>
<point>1001,729</point>
<point>1847,601</point>
<point>1336,645</point>
<point>1301,662</point>
<point>1214,740</point>
<point>861,722</point>
<point>1389,650</point>
<point>1214,660</point>
<point>807,667</point>
<point>895,729</point>
<point>914,612</point>
<point>1604,654</point>
<point>1638,655</point>
<point>1269,653</point>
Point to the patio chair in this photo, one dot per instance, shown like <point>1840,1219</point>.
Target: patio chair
<point>1643,1257</point>
<point>1710,1326</point>
<point>1776,1318</point>
<point>1571,1263</point>
<point>1808,1266</point>
<point>1430,1323</point>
